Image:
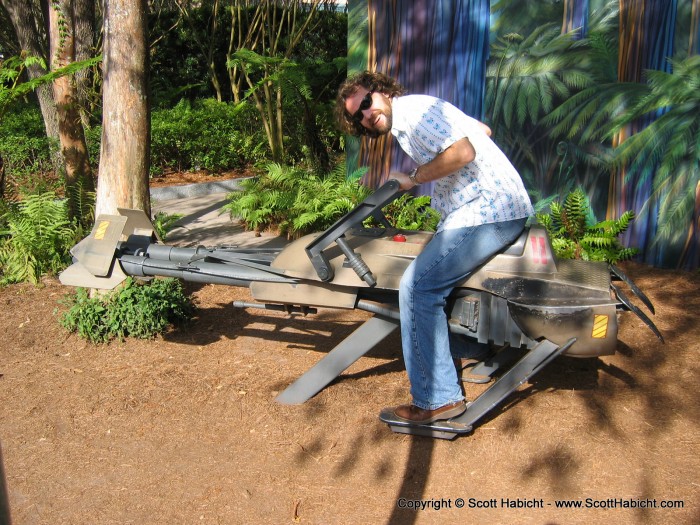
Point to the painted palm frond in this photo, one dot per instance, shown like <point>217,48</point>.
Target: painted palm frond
<point>545,136</point>
<point>523,17</point>
<point>527,77</point>
<point>671,144</point>
<point>587,114</point>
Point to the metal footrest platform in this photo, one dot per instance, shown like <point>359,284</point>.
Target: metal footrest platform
<point>531,363</point>
<point>445,429</point>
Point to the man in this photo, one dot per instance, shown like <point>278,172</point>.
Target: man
<point>483,205</point>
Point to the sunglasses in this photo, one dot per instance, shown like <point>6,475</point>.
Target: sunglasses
<point>365,104</point>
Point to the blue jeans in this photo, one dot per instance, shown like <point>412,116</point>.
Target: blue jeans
<point>447,260</point>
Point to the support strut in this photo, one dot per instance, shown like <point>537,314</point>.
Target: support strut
<point>357,344</point>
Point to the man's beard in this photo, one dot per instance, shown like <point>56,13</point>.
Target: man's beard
<point>374,133</point>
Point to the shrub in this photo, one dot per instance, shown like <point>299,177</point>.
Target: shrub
<point>294,202</point>
<point>25,151</point>
<point>210,135</point>
<point>136,309</point>
<point>37,239</point>
<point>574,238</point>
<point>207,135</point>
<point>412,213</point>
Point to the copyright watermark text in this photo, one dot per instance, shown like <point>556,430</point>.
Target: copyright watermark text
<point>538,503</point>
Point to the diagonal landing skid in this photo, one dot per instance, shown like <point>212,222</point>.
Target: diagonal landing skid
<point>531,363</point>
<point>635,289</point>
<point>357,344</point>
<point>493,364</point>
<point>625,300</point>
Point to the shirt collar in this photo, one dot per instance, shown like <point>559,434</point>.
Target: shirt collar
<point>398,116</point>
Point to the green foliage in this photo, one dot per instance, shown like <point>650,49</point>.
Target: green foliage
<point>133,310</point>
<point>13,68</point>
<point>205,135</point>
<point>573,237</point>
<point>93,140</point>
<point>527,78</point>
<point>81,203</point>
<point>310,132</point>
<point>208,135</point>
<point>37,239</point>
<point>294,201</point>
<point>523,17</point>
<point>524,78</point>
<point>586,116</point>
<point>268,78</point>
<point>179,45</point>
<point>11,72</point>
<point>411,213</point>
<point>25,151</point>
<point>668,149</point>
<point>164,222</point>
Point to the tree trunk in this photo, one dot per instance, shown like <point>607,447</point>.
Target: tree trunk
<point>27,18</point>
<point>71,135</point>
<point>2,178</point>
<point>124,157</point>
<point>84,50</point>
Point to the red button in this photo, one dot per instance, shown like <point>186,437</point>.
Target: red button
<point>399,237</point>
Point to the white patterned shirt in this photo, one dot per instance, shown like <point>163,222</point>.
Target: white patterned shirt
<point>488,189</point>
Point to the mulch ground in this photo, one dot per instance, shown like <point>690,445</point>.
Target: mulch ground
<point>185,429</point>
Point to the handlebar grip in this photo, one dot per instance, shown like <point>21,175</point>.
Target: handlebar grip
<point>356,262</point>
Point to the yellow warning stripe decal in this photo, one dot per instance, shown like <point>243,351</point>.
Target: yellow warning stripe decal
<point>600,326</point>
<point>101,230</point>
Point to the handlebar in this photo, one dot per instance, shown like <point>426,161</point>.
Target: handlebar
<point>370,207</point>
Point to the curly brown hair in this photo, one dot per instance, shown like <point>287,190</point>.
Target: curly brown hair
<point>376,82</point>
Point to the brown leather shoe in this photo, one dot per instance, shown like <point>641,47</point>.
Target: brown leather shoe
<point>413,414</point>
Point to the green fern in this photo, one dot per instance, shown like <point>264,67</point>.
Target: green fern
<point>573,214</point>
<point>164,222</point>
<point>81,200</point>
<point>573,238</point>
<point>293,201</point>
<point>37,239</point>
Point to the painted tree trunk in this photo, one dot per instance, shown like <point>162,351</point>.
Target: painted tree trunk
<point>646,42</point>
<point>575,18</point>
<point>433,47</point>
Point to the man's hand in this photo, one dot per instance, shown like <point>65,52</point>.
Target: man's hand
<point>404,182</point>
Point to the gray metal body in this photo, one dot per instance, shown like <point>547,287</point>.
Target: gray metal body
<point>523,298</point>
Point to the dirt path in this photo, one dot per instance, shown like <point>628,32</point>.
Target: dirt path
<point>184,429</point>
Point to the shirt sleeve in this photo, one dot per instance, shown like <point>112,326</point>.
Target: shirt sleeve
<point>441,124</point>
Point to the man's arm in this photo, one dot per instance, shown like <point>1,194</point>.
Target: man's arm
<point>458,155</point>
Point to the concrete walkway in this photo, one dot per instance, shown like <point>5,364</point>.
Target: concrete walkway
<point>204,222</point>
